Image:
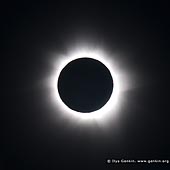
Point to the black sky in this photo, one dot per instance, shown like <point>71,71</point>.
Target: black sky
<point>31,31</point>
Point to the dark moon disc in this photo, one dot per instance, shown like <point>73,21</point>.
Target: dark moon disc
<point>85,85</point>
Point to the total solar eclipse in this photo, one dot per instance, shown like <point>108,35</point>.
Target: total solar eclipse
<point>85,85</point>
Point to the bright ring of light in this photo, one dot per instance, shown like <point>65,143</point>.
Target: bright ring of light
<point>109,107</point>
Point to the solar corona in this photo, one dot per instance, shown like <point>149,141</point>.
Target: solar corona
<point>103,110</point>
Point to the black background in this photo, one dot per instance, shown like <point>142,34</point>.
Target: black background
<point>30,31</point>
